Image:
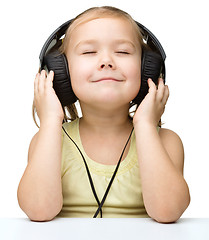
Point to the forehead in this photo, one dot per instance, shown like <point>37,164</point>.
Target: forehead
<point>103,28</point>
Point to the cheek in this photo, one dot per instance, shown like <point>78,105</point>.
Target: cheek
<point>134,75</point>
<point>133,72</point>
<point>78,69</point>
<point>79,73</point>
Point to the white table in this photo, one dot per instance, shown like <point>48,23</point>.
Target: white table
<point>106,228</point>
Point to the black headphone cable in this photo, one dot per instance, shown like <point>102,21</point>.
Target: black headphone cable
<point>100,204</point>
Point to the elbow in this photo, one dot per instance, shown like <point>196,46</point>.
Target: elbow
<point>37,207</point>
<point>39,217</point>
<point>40,214</point>
<point>165,219</point>
<point>40,211</point>
<point>165,216</point>
<point>168,215</point>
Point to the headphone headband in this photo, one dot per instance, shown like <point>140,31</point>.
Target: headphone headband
<point>148,36</point>
<point>150,39</point>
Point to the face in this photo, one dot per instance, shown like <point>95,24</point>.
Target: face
<point>104,58</point>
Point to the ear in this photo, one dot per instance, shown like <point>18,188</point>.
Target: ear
<point>58,63</point>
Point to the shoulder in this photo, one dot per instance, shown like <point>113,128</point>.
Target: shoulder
<point>174,147</point>
<point>169,135</point>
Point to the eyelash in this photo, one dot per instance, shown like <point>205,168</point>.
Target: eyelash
<point>89,52</point>
<point>122,52</point>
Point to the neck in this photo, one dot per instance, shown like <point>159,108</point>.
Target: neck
<point>105,121</point>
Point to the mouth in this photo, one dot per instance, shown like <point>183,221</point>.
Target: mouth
<point>108,79</point>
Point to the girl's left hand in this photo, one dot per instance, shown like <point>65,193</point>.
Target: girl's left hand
<point>153,105</point>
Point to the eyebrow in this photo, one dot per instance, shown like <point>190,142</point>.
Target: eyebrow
<point>118,41</point>
<point>124,41</point>
<point>92,41</point>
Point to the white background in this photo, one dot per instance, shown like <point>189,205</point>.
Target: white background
<point>182,28</point>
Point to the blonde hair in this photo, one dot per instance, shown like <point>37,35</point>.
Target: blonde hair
<point>70,111</point>
<point>96,13</point>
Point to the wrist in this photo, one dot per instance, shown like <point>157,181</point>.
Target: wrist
<point>144,126</point>
<point>51,122</point>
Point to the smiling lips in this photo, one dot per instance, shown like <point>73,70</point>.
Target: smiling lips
<point>108,79</point>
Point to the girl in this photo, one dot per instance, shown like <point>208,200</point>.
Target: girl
<point>103,47</point>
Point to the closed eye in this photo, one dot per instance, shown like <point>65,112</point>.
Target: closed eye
<point>90,52</point>
<point>123,52</point>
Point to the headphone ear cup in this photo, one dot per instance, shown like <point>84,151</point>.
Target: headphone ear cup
<point>57,62</point>
<point>151,66</point>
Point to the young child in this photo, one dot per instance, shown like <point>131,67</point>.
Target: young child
<point>68,177</point>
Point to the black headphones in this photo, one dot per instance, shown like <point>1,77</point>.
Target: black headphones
<point>152,64</point>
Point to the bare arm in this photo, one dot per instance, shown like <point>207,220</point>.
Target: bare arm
<point>161,156</point>
<point>40,189</point>
<point>161,159</point>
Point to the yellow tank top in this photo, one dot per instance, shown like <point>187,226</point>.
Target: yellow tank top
<point>124,199</point>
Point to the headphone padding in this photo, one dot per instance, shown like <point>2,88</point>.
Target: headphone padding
<point>151,66</point>
<point>57,62</point>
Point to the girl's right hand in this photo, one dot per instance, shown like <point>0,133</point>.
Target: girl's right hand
<point>47,104</point>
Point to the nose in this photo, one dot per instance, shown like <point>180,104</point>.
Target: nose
<point>106,62</point>
<point>106,65</point>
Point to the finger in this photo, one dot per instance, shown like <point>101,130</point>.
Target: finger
<point>160,89</point>
<point>166,95</point>
<point>36,84</point>
<point>152,87</point>
<point>49,80</point>
<point>41,82</point>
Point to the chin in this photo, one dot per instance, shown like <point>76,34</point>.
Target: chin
<point>107,99</point>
